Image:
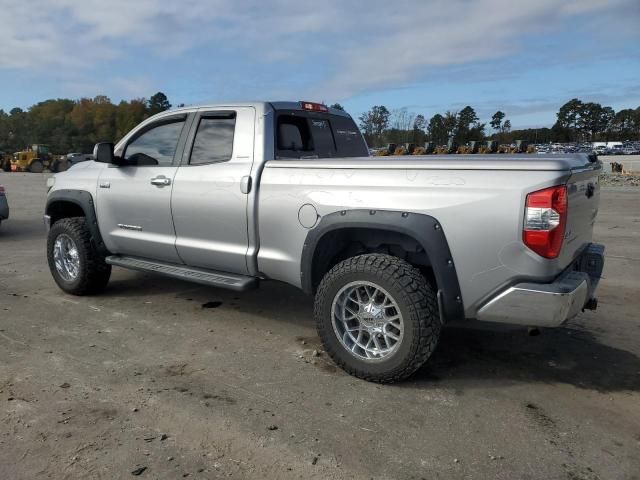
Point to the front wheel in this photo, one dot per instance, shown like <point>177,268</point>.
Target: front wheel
<point>74,263</point>
<point>377,317</point>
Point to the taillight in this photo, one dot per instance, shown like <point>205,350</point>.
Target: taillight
<point>1,191</point>
<point>314,107</point>
<point>545,219</point>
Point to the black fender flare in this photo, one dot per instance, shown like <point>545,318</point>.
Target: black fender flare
<point>84,200</point>
<point>425,229</point>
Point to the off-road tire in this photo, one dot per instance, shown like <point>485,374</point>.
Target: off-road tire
<point>36,167</point>
<point>417,302</point>
<point>94,271</point>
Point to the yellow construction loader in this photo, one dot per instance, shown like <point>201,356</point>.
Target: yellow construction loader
<point>405,149</point>
<point>385,152</point>
<point>490,146</point>
<point>36,158</point>
<point>471,147</point>
<point>428,149</point>
<point>450,147</point>
<point>521,146</point>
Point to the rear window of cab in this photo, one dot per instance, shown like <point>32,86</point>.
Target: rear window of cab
<point>301,134</point>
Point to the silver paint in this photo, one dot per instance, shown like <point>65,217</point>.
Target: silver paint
<point>205,220</point>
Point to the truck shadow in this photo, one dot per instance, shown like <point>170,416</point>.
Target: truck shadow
<point>470,352</point>
<point>504,354</point>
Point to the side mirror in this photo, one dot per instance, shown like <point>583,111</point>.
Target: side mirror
<point>103,152</point>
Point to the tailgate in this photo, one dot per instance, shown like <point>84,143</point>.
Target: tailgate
<point>583,189</point>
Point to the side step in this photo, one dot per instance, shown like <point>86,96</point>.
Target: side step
<point>213,278</point>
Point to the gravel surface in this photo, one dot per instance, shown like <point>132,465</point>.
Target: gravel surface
<point>158,378</point>
<point>618,180</point>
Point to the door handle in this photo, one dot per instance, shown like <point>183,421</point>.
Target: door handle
<point>160,181</point>
<point>245,184</point>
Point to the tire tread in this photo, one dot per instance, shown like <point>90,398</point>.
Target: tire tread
<point>95,272</point>
<point>422,306</point>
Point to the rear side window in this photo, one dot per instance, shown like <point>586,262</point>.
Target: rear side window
<point>302,134</point>
<point>214,140</point>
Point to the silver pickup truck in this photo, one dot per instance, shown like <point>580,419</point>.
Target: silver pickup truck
<point>392,248</point>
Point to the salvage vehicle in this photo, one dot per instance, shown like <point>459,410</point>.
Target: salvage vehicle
<point>4,204</point>
<point>392,249</point>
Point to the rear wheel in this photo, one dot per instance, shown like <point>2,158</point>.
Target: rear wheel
<point>36,166</point>
<point>377,317</point>
<point>74,262</point>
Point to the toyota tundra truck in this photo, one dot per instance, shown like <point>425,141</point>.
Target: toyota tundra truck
<point>392,248</point>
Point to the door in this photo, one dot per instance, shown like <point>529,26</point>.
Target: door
<point>134,199</point>
<point>209,201</point>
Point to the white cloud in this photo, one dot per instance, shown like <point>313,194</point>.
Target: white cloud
<point>363,45</point>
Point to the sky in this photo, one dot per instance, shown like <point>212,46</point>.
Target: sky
<point>525,58</point>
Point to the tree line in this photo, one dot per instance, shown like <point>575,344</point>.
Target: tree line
<point>75,125</point>
<point>576,121</point>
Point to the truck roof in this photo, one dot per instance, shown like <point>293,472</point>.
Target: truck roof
<point>259,105</point>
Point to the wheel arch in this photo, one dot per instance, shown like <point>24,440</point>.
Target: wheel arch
<point>66,203</point>
<point>421,238</point>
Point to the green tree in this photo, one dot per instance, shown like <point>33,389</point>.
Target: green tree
<point>19,131</point>
<point>594,119</point>
<point>374,123</point>
<point>496,121</point>
<point>128,115</point>
<point>626,123</point>
<point>450,124</point>
<point>468,126</point>
<point>437,130</point>
<point>337,106</point>
<point>419,125</point>
<point>569,116</point>
<point>158,103</point>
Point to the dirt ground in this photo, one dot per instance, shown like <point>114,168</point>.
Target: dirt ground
<point>168,379</point>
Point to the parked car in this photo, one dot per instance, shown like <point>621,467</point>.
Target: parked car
<point>4,204</point>
<point>615,150</point>
<point>231,195</point>
<point>601,150</point>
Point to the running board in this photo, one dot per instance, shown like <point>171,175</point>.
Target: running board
<point>213,278</point>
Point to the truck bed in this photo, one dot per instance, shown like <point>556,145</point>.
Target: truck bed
<point>478,199</point>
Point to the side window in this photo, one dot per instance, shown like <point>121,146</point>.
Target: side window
<point>156,146</point>
<point>214,140</point>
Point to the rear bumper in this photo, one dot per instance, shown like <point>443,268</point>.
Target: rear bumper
<point>550,304</point>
